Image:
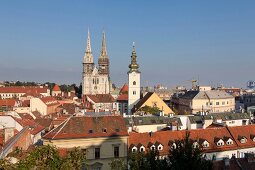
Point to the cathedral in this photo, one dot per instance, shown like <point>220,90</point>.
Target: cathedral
<point>96,80</point>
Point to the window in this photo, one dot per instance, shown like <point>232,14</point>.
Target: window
<point>229,142</point>
<point>223,103</point>
<point>116,152</point>
<point>134,92</point>
<point>217,103</point>
<point>142,149</point>
<point>134,83</point>
<point>117,130</point>
<point>104,130</point>
<point>211,103</point>
<point>97,153</point>
<point>152,147</point>
<point>90,131</point>
<point>134,149</point>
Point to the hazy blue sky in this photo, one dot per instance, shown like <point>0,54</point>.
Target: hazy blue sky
<point>175,40</point>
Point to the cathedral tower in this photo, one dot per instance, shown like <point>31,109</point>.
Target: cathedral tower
<point>133,82</point>
<point>103,61</point>
<point>88,66</point>
<point>96,80</point>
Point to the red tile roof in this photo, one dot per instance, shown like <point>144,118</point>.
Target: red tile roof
<point>239,132</point>
<point>49,101</point>
<point>122,97</point>
<point>56,88</point>
<point>124,89</point>
<point>35,127</point>
<point>101,98</point>
<point>89,127</point>
<point>164,137</point>
<point>35,91</point>
<point>7,102</point>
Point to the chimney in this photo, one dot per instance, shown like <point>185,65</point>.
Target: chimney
<point>151,133</point>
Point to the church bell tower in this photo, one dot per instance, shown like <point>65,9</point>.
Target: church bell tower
<point>133,82</point>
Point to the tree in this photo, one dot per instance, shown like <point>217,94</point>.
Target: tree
<point>148,109</point>
<point>147,161</point>
<point>118,164</point>
<point>186,156</point>
<point>75,159</point>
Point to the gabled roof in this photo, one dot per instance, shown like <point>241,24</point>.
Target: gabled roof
<point>227,116</point>
<point>124,89</point>
<point>101,98</point>
<point>49,101</point>
<point>144,99</point>
<point>168,137</point>
<point>243,131</point>
<point>56,88</point>
<point>32,90</point>
<point>89,127</point>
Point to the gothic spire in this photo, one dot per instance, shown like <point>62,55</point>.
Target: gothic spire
<point>103,50</point>
<point>88,49</point>
<point>88,57</point>
<point>133,66</point>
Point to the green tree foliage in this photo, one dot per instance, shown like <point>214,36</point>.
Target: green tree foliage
<point>147,161</point>
<point>182,157</point>
<point>47,158</point>
<point>75,159</point>
<point>151,110</point>
<point>186,156</point>
<point>118,164</point>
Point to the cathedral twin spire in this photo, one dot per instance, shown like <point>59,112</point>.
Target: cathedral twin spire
<point>103,60</point>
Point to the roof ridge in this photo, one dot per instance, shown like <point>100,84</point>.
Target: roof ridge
<point>64,122</point>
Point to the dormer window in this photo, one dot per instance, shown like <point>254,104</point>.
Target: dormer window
<point>90,131</point>
<point>142,149</point>
<point>205,144</point>
<point>220,142</point>
<point>152,147</point>
<point>174,146</point>
<point>134,149</point>
<point>195,145</point>
<point>244,140</point>
<point>117,130</point>
<point>160,147</point>
<point>104,130</point>
<point>229,142</point>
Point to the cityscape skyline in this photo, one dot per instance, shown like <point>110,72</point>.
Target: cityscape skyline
<point>45,41</point>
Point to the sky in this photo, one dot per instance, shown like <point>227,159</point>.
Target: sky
<point>176,41</point>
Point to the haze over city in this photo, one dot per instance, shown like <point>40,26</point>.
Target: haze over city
<point>176,41</point>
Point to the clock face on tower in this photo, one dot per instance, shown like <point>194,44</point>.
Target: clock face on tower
<point>134,74</point>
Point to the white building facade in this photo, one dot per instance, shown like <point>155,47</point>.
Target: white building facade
<point>133,82</point>
<point>96,80</point>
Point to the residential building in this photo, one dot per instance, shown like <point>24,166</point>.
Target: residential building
<point>102,102</point>
<point>103,138</point>
<point>212,101</point>
<point>44,105</point>
<point>141,124</point>
<point>56,91</point>
<point>19,91</point>
<point>216,143</point>
<point>153,100</point>
<point>122,100</point>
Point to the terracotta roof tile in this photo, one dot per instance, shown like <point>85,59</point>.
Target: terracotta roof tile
<point>101,98</point>
<point>31,90</point>
<point>89,127</point>
<point>164,137</point>
<point>56,88</point>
